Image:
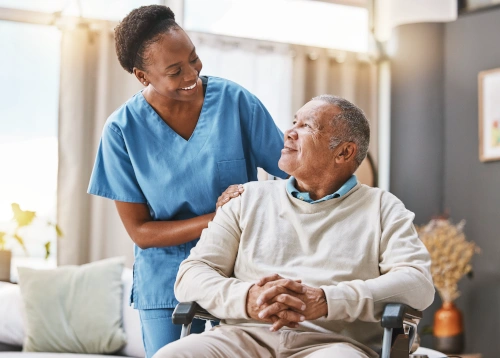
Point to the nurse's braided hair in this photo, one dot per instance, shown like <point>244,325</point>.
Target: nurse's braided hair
<point>139,29</point>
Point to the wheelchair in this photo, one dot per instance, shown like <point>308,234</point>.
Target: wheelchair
<point>398,320</point>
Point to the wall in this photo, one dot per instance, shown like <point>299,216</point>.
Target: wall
<point>472,188</point>
<point>417,118</point>
<point>434,160</point>
<point>417,126</point>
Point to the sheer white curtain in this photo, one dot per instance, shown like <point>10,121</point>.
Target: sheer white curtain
<point>93,85</point>
<point>265,69</point>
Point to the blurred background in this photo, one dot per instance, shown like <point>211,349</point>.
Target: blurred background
<point>412,66</point>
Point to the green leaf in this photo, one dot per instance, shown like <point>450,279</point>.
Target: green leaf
<point>58,231</point>
<point>22,217</point>
<point>47,250</point>
<point>2,240</point>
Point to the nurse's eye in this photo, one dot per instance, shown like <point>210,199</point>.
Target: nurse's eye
<point>177,73</point>
<point>195,60</point>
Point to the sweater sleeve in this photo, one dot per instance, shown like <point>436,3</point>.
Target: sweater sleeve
<point>206,275</point>
<point>404,265</point>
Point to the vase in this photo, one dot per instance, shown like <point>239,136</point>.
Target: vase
<point>448,329</point>
<point>5,260</point>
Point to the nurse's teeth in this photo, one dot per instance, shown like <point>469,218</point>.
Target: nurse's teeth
<point>190,87</point>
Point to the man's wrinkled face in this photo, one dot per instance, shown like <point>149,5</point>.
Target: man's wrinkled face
<point>307,144</point>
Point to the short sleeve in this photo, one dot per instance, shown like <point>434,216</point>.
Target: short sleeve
<point>113,176</point>
<point>266,140</point>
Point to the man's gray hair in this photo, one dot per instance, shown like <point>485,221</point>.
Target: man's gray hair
<point>350,125</point>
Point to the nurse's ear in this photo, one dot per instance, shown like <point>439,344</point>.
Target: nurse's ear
<point>141,76</point>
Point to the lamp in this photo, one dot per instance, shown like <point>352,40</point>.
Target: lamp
<point>387,14</point>
<point>391,13</point>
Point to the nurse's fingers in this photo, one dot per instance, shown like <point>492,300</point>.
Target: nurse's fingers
<point>231,192</point>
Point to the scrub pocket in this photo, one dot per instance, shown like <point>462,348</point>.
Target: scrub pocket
<point>232,172</point>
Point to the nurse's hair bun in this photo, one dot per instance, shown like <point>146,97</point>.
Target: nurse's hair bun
<point>139,29</point>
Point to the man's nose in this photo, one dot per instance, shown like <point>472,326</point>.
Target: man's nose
<point>291,133</point>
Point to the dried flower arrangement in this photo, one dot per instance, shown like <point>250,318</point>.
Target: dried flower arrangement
<point>450,254</point>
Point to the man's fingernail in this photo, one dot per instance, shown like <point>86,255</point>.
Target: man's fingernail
<point>261,315</point>
<point>259,302</point>
<point>302,318</point>
<point>272,329</point>
<point>303,307</point>
<point>304,289</point>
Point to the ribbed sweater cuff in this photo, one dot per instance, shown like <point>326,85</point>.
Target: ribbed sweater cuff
<point>240,300</point>
<point>336,302</point>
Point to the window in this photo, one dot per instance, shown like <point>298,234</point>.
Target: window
<point>29,88</point>
<point>332,25</point>
<point>96,9</point>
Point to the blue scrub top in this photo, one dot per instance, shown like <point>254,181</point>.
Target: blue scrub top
<point>142,160</point>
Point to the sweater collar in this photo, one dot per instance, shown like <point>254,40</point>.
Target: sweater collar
<point>304,196</point>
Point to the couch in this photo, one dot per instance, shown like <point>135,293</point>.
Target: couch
<point>12,325</point>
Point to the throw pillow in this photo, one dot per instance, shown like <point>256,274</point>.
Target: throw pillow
<point>11,319</point>
<point>74,309</point>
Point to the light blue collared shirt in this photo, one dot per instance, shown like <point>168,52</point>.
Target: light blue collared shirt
<point>344,189</point>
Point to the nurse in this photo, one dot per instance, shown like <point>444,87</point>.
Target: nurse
<point>170,152</point>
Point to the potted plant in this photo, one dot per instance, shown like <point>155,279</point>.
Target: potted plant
<point>22,219</point>
<point>451,256</point>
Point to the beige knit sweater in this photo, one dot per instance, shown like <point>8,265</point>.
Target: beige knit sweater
<point>361,249</point>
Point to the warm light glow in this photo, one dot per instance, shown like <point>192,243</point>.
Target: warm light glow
<point>29,176</point>
<point>28,132</point>
<point>311,23</point>
<point>92,9</point>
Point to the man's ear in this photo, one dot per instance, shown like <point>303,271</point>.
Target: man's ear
<point>141,76</point>
<point>347,152</point>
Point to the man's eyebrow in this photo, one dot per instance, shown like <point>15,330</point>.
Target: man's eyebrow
<point>312,120</point>
<point>178,63</point>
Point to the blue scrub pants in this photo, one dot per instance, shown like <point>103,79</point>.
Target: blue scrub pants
<point>158,329</point>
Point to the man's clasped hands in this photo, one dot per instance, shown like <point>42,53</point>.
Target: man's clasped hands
<point>285,302</point>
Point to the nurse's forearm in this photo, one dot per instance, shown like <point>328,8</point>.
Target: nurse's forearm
<point>170,233</point>
<point>146,232</point>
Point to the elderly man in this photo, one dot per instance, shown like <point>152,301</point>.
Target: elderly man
<point>303,267</point>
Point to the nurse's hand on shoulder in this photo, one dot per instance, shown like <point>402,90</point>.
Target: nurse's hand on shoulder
<point>231,192</point>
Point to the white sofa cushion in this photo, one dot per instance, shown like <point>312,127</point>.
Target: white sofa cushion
<point>74,309</point>
<point>12,330</point>
<point>11,322</point>
<point>131,321</point>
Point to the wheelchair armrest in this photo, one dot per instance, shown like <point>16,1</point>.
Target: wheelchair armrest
<point>395,313</point>
<point>184,313</point>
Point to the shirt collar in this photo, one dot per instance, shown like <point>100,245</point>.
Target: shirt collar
<point>344,189</point>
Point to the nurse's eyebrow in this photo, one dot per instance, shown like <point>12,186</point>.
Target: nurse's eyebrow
<point>178,63</point>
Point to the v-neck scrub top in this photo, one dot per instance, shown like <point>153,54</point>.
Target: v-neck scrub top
<point>142,160</point>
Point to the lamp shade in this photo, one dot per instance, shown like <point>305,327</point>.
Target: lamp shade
<point>392,13</point>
